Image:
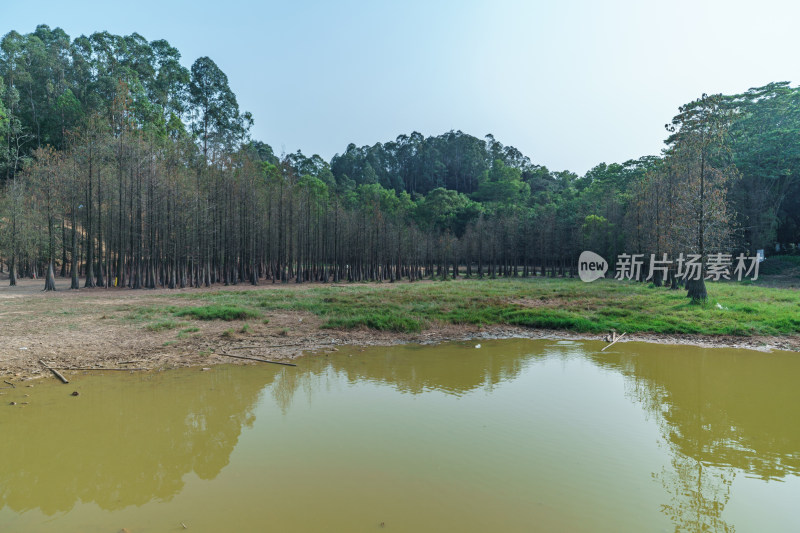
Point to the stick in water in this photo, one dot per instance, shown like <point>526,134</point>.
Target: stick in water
<point>613,342</point>
<point>254,359</point>
<point>130,369</point>
<point>55,372</point>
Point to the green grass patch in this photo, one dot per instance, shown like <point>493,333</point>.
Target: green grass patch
<point>187,332</point>
<point>216,312</point>
<point>381,322</point>
<point>164,325</point>
<point>552,303</point>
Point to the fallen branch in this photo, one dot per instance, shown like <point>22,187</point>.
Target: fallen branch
<point>98,368</point>
<point>55,372</point>
<point>9,383</point>
<point>254,359</point>
<point>250,346</point>
<point>614,341</point>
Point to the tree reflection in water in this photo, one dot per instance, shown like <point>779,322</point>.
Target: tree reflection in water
<point>129,440</point>
<point>126,440</point>
<point>721,412</point>
<point>452,368</point>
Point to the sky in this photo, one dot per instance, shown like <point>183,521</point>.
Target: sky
<point>569,83</point>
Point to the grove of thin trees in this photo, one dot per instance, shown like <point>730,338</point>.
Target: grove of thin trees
<point>122,168</point>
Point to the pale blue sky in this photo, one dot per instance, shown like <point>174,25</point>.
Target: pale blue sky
<point>570,83</point>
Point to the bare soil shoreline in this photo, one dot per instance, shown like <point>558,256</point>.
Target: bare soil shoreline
<point>91,329</point>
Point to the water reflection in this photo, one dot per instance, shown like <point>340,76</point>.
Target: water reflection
<point>519,405</point>
<point>126,440</point>
<point>721,412</point>
<point>722,407</point>
<point>697,494</point>
<point>453,368</point>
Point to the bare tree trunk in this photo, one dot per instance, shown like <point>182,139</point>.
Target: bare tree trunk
<point>696,289</point>
<point>12,271</point>
<point>50,279</point>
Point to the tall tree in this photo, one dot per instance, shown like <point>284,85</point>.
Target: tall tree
<point>698,140</point>
<point>216,111</point>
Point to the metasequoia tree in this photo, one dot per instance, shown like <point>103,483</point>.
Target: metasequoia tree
<point>699,153</point>
<point>45,175</point>
<point>158,184</point>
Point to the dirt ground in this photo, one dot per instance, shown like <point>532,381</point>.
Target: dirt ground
<point>92,329</point>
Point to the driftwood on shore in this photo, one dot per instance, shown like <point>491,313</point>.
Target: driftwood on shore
<point>311,346</point>
<point>98,368</point>
<point>55,372</point>
<point>254,359</point>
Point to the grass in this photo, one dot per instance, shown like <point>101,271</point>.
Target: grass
<point>187,332</point>
<point>164,325</point>
<point>217,312</point>
<point>565,304</point>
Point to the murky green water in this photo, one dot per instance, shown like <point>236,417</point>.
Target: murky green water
<point>514,436</point>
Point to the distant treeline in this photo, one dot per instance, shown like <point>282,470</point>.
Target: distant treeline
<point>122,167</point>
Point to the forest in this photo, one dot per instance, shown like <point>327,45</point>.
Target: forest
<point>120,167</point>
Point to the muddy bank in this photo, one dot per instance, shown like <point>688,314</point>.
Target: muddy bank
<point>100,329</point>
<point>209,349</point>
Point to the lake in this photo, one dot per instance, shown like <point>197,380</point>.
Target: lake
<point>517,435</point>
